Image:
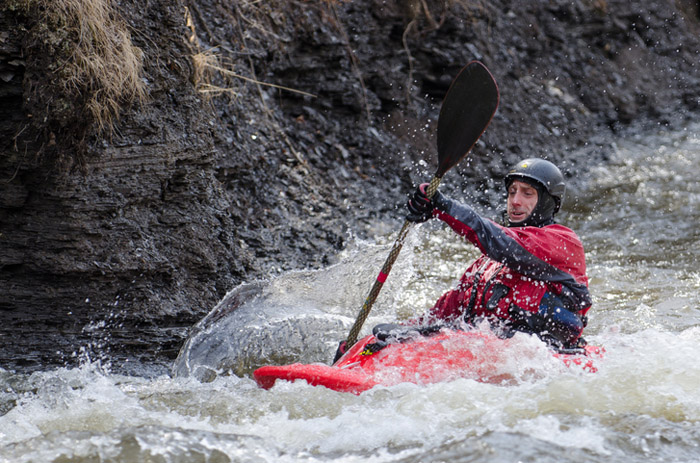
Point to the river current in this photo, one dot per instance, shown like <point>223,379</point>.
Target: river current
<point>638,219</point>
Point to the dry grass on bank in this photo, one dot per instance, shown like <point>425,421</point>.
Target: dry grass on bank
<point>208,63</point>
<point>102,65</point>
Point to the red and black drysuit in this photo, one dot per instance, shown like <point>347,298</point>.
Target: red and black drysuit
<point>529,278</point>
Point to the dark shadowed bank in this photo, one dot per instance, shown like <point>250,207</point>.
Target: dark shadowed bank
<point>155,154</point>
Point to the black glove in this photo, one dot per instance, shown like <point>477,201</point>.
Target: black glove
<point>386,330</point>
<point>342,349</point>
<point>420,207</point>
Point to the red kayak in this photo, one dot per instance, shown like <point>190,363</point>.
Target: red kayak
<point>442,356</point>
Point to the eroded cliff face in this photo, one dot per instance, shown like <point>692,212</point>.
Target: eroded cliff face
<point>259,133</point>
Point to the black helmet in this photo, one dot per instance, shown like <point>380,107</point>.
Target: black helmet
<point>549,182</point>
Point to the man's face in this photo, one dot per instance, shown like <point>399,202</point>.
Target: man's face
<point>522,199</point>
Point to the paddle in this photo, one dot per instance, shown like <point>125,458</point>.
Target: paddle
<point>466,111</point>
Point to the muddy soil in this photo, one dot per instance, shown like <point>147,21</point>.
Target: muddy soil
<point>270,131</point>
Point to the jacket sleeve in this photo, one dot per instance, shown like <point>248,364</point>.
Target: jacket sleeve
<point>552,253</point>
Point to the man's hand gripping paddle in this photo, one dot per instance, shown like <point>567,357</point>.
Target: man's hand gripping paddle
<point>467,110</point>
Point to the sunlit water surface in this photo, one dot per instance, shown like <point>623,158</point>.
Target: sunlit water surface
<point>638,219</point>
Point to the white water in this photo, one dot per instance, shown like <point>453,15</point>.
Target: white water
<point>638,220</point>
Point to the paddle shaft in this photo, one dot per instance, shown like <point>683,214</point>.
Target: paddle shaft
<point>384,273</point>
<point>467,109</point>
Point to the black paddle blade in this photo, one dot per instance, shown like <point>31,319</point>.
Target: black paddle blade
<point>467,110</point>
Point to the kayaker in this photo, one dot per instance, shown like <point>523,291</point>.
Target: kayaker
<point>531,275</point>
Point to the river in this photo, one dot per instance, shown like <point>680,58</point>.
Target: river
<point>638,218</point>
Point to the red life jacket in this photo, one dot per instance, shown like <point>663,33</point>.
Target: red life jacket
<point>519,266</point>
